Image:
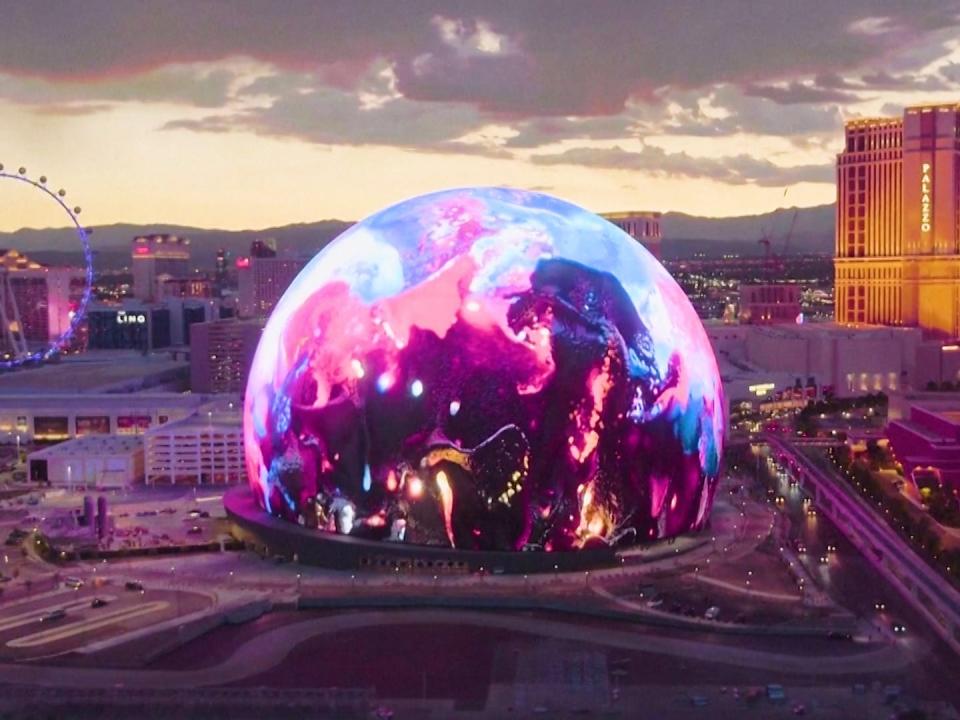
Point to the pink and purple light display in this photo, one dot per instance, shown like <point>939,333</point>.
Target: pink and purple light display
<point>486,369</point>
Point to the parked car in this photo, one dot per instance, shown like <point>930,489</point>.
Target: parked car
<point>195,530</point>
<point>712,613</point>
<point>776,693</point>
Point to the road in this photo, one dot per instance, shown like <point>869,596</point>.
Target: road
<point>854,583</point>
<point>24,634</point>
<point>266,650</point>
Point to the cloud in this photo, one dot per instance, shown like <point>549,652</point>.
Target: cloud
<point>194,85</point>
<point>797,92</point>
<point>735,170</point>
<point>906,81</point>
<point>750,115</point>
<point>514,60</point>
<point>300,106</point>
<point>543,131</point>
<point>72,109</point>
<point>950,72</point>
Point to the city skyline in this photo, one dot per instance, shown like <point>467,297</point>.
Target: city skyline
<point>251,119</point>
<point>480,359</point>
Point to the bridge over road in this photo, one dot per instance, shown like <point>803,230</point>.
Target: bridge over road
<point>927,592</point>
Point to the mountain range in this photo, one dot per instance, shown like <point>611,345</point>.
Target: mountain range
<point>684,235</point>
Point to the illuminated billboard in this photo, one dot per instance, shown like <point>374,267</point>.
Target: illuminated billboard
<point>485,369</point>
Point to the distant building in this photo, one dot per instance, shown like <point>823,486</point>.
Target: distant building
<point>184,287</point>
<point>61,417</point>
<point>927,443</point>
<point>769,304</point>
<point>262,278</point>
<point>221,269</point>
<point>105,461</point>
<point>203,449</point>
<point>130,326</point>
<point>133,325</point>
<point>644,227</point>
<point>185,312</point>
<point>835,359</point>
<point>264,248</point>
<point>156,255</point>
<point>898,221</point>
<point>41,300</point>
<point>221,353</point>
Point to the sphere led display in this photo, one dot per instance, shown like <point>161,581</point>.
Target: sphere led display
<point>485,369</point>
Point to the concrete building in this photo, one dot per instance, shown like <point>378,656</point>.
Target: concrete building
<point>898,230</point>
<point>847,361</point>
<point>221,353</point>
<point>769,304</point>
<point>156,255</point>
<point>99,461</point>
<point>130,325</point>
<point>642,226</point>
<point>833,359</point>
<point>205,448</point>
<point>196,286</point>
<point>147,327</point>
<point>40,301</point>
<point>927,443</point>
<point>262,280</point>
<point>61,417</point>
<point>185,312</point>
<point>98,372</point>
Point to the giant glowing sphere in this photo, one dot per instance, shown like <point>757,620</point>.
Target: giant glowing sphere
<point>485,369</point>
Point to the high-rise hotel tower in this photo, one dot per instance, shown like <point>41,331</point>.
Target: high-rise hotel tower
<point>898,221</point>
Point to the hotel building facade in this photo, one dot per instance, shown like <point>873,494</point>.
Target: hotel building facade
<point>897,230</point>
<point>642,226</point>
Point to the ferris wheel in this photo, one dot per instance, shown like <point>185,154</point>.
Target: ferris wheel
<point>12,331</point>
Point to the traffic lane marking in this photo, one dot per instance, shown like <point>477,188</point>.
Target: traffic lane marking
<point>35,614</point>
<point>78,628</point>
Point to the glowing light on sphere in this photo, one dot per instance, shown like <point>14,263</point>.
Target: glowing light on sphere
<point>533,373</point>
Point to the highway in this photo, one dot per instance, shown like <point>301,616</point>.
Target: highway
<point>24,634</point>
<point>927,592</point>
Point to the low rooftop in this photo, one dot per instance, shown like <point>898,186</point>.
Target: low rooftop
<point>102,445</point>
<point>92,372</point>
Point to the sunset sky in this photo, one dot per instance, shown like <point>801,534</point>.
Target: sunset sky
<point>254,114</point>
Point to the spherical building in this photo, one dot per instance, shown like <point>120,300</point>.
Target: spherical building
<point>485,369</point>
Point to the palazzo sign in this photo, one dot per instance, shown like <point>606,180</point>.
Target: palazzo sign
<point>926,191</point>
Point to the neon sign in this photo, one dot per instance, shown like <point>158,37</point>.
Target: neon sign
<point>926,203</point>
<point>132,319</point>
<point>761,389</point>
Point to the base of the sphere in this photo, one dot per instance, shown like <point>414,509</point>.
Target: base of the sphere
<point>274,537</point>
